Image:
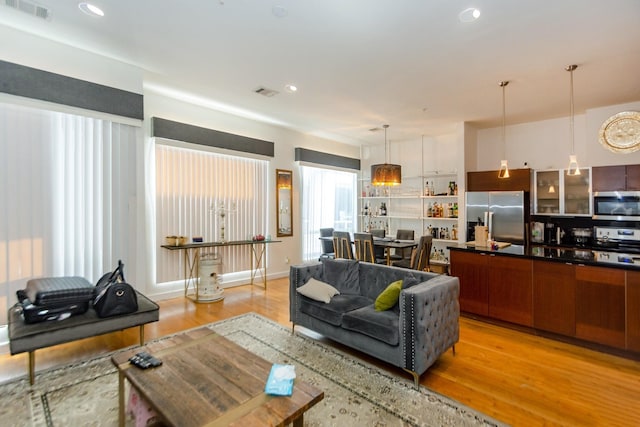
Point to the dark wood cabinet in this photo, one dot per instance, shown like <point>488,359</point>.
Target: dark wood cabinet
<point>616,178</point>
<point>633,311</point>
<point>633,177</point>
<point>554,297</point>
<point>471,270</point>
<point>511,290</point>
<point>494,286</point>
<point>608,178</point>
<point>519,180</point>
<point>589,302</point>
<point>600,305</point>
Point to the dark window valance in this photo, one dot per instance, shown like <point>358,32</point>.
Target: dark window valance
<point>305,155</point>
<point>32,83</point>
<point>163,128</point>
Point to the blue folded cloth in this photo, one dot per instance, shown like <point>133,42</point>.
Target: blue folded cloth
<point>280,381</point>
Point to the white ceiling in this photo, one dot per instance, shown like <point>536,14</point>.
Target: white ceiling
<point>361,63</point>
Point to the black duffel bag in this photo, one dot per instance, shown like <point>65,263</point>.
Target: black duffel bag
<point>114,296</point>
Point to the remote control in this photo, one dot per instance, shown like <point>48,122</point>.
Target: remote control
<point>144,360</point>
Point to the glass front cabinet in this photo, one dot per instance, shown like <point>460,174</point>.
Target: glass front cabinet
<point>557,193</point>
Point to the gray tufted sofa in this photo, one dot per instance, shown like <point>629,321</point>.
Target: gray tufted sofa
<point>411,335</point>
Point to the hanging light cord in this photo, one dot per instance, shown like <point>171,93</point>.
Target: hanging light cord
<point>504,120</point>
<point>570,68</point>
<point>386,148</point>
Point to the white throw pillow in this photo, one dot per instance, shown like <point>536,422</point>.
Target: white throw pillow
<point>317,290</point>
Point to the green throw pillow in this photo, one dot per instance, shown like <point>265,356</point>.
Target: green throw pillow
<point>389,297</point>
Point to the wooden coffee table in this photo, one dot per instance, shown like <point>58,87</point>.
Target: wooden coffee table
<point>207,380</point>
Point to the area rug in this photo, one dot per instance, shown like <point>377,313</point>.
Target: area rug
<point>356,393</point>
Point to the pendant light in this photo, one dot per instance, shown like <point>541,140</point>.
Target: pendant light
<point>504,167</point>
<point>386,174</point>
<point>573,169</point>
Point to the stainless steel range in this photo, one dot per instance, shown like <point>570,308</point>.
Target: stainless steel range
<point>617,245</point>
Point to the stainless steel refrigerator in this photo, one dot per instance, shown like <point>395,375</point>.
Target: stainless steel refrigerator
<point>503,212</point>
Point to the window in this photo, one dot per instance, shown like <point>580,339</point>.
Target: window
<point>328,200</point>
<point>193,188</point>
<point>67,183</point>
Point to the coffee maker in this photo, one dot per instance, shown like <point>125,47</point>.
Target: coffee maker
<point>552,234</point>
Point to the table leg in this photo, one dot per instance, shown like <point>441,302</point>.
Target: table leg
<point>191,271</point>
<point>260,263</point>
<point>121,398</point>
<point>141,334</point>
<point>299,422</point>
<point>32,367</point>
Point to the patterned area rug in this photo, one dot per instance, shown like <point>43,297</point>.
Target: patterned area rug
<point>356,393</point>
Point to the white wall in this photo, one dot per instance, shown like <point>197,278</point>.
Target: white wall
<point>36,52</point>
<point>547,144</point>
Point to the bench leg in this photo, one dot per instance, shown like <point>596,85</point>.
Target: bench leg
<point>32,367</point>
<point>141,334</point>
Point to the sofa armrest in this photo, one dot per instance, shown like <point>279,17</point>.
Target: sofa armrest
<point>429,314</point>
<point>298,276</point>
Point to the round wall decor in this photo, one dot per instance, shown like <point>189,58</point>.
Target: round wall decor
<point>620,133</point>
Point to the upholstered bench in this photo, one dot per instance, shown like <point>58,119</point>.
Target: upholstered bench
<point>31,337</point>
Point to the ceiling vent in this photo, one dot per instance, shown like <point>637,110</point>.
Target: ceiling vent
<point>266,92</point>
<point>31,8</point>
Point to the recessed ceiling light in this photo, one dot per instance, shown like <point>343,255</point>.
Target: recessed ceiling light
<point>291,88</point>
<point>469,15</point>
<point>90,9</point>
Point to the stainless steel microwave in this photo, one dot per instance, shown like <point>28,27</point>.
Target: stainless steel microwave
<point>617,205</point>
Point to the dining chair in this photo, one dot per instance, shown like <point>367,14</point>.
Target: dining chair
<point>342,244</point>
<point>377,250</point>
<point>327,245</point>
<point>402,253</point>
<point>365,248</point>
<point>420,256</point>
<point>423,257</point>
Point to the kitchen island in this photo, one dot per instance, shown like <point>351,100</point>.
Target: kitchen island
<point>561,292</point>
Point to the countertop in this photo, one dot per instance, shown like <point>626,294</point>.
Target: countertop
<point>574,255</point>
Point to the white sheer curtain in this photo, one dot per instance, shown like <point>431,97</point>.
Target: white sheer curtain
<point>66,184</point>
<point>192,186</point>
<point>328,200</point>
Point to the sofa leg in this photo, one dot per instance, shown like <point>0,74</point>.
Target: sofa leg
<point>293,327</point>
<point>453,347</point>
<point>416,378</point>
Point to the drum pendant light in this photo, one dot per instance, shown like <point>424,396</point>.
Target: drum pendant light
<point>573,169</point>
<point>504,167</point>
<point>386,174</point>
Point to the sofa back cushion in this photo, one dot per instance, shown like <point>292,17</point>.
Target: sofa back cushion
<point>342,274</point>
<point>374,278</point>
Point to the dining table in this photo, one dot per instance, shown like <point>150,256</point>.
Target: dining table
<point>388,243</point>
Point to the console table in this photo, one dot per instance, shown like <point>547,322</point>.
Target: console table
<point>192,260</point>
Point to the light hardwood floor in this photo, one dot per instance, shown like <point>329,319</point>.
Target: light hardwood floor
<point>515,377</point>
